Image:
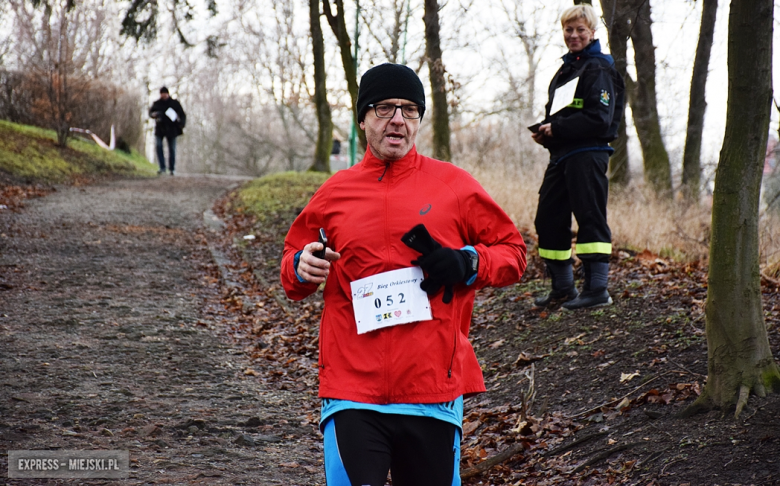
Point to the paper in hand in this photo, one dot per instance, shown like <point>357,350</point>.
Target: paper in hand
<point>171,113</point>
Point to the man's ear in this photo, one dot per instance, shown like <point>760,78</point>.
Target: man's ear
<point>363,126</point>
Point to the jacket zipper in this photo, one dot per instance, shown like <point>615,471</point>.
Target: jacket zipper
<point>388,343</point>
<point>387,165</point>
<point>454,348</point>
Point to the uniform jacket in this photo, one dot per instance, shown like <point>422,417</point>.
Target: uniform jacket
<point>164,126</point>
<point>365,210</point>
<point>602,92</point>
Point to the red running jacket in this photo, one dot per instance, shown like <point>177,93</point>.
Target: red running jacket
<point>365,210</point>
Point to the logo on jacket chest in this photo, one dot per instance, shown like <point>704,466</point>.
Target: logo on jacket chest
<point>425,209</point>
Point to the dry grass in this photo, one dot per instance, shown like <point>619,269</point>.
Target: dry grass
<point>639,220</point>
<point>673,229</point>
<point>516,190</point>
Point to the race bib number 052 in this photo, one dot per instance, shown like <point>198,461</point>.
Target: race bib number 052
<point>389,299</point>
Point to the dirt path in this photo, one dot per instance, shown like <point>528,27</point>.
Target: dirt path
<point>111,338</point>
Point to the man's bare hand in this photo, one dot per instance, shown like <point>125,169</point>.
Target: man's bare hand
<point>313,269</point>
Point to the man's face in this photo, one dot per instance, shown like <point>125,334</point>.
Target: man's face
<point>390,139</point>
<point>164,96</point>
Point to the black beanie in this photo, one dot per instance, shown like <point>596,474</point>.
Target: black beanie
<point>389,81</point>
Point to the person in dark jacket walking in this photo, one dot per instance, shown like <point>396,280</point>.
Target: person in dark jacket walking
<point>170,120</point>
<point>584,109</point>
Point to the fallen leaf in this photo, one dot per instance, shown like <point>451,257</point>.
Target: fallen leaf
<point>575,339</point>
<point>525,358</point>
<point>470,427</point>
<point>624,377</point>
<point>251,372</point>
<point>290,464</point>
<point>497,344</point>
<point>604,365</point>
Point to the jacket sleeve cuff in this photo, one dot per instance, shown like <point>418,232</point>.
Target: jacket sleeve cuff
<point>296,260</point>
<point>473,250</point>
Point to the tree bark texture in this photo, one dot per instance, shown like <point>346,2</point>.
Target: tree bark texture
<point>440,117</point>
<point>691,176</point>
<point>615,15</point>
<point>739,357</point>
<point>338,25</point>
<point>324,145</point>
<point>658,171</point>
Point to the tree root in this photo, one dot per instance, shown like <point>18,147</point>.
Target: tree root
<point>705,403</point>
<point>515,448</point>
<point>580,440</point>
<point>617,400</point>
<point>700,405</point>
<point>603,455</point>
<point>652,457</point>
<point>492,461</point>
<point>744,394</point>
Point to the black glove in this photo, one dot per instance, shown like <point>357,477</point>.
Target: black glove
<point>419,240</point>
<point>445,266</point>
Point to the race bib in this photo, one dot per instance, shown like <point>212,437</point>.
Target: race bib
<point>564,96</point>
<point>389,299</point>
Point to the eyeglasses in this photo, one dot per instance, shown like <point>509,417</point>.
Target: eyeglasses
<point>410,112</point>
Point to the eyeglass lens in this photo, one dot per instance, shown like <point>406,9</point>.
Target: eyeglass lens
<point>388,111</point>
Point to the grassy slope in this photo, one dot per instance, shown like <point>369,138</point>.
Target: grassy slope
<point>279,193</point>
<point>30,153</point>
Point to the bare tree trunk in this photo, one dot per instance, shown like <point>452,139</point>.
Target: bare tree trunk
<point>739,358</point>
<point>658,171</point>
<point>58,81</point>
<point>324,121</point>
<point>615,15</point>
<point>691,176</point>
<point>440,109</point>
<point>339,27</point>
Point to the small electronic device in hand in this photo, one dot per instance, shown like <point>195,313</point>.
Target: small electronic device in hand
<point>324,240</point>
<point>535,127</point>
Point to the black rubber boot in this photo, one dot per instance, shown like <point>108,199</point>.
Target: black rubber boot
<point>594,292</point>
<point>563,288</point>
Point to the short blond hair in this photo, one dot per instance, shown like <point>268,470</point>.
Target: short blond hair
<point>583,11</point>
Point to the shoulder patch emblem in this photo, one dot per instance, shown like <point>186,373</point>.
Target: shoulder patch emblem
<point>604,98</point>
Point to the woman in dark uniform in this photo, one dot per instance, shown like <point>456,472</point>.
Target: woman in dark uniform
<point>583,111</point>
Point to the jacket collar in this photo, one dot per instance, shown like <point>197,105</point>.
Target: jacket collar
<point>395,168</point>
<point>592,51</point>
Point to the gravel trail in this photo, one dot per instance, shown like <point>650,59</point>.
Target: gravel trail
<point>112,337</point>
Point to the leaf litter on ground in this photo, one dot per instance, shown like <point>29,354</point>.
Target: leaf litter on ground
<point>554,440</point>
